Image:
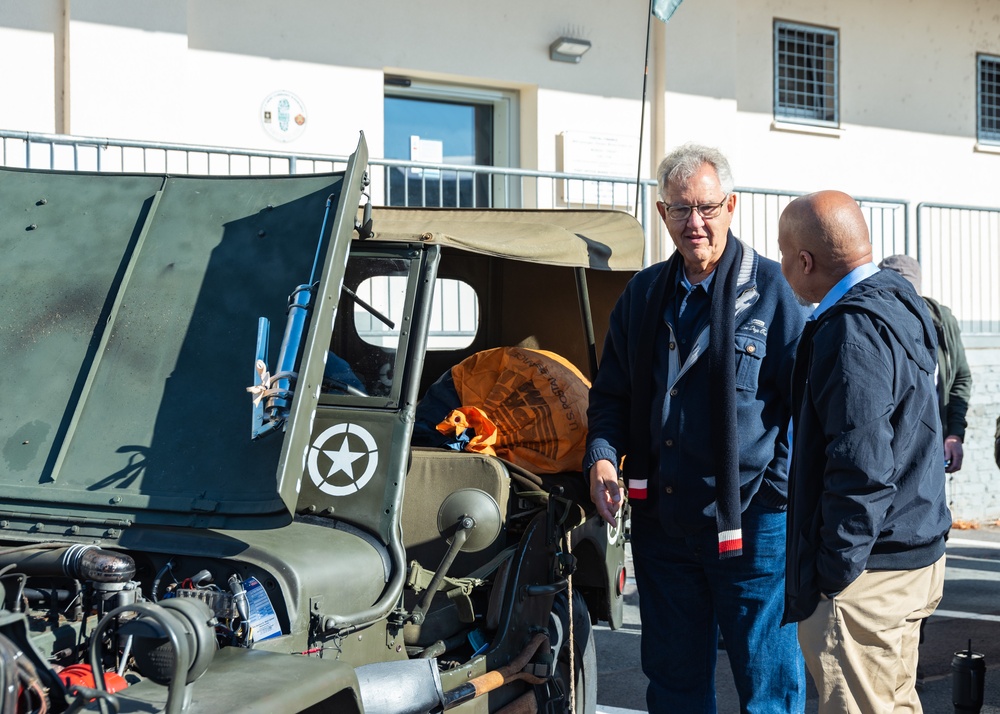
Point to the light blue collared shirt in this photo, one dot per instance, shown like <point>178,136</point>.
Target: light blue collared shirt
<point>687,285</point>
<point>840,289</point>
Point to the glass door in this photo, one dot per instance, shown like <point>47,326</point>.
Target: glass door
<point>441,129</point>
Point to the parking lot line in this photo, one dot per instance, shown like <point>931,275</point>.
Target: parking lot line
<point>959,615</point>
<point>972,543</point>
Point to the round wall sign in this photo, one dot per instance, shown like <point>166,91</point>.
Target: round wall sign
<point>283,116</point>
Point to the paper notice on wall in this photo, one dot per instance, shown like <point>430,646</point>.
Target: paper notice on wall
<point>263,619</point>
<point>426,151</point>
<point>598,155</point>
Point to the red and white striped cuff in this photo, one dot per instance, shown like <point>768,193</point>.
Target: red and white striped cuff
<point>637,488</point>
<point>730,540</point>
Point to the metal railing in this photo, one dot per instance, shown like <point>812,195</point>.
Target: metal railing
<point>960,275</point>
<point>758,210</point>
<point>394,182</point>
<point>959,252</point>
<point>402,183</point>
<point>83,153</point>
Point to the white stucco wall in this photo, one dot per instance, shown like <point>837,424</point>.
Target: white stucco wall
<point>157,84</point>
<point>27,59</point>
<point>974,491</point>
<point>907,96</point>
<point>197,72</point>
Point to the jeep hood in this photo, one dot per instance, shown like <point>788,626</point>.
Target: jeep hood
<point>128,325</point>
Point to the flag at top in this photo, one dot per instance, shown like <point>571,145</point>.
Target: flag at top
<point>663,9</point>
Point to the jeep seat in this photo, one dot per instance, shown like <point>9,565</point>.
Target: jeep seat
<point>433,475</point>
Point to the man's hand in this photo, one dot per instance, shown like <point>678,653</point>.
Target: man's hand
<point>604,491</point>
<point>952,454</point>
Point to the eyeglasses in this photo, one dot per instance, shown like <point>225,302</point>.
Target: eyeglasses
<point>705,210</point>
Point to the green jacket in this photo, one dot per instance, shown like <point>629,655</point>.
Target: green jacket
<point>954,379</point>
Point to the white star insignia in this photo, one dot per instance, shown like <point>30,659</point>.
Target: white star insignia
<point>343,459</point>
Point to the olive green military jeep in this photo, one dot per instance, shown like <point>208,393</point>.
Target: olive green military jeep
<point>211,500</point>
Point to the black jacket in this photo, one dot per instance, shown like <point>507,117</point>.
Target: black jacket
<point>866,487</point>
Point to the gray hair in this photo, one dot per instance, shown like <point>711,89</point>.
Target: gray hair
<point>906,266</point>
<point>683,162</point>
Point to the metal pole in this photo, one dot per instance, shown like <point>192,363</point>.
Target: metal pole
<point>642,117</point>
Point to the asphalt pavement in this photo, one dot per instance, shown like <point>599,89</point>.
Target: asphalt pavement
<point>969,610</point>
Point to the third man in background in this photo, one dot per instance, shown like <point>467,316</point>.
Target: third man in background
<point>954,378</point>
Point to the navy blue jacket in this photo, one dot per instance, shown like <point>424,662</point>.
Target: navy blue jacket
<point>765,337</point>
<point>867,479</point>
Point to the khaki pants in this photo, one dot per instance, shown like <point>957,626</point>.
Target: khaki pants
<point>861,645</point>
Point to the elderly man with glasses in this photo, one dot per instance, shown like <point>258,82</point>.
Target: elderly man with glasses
<point>692,402</point>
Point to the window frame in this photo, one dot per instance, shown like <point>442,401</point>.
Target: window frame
<point>505,104</point>
<point>345,326</point>
<point>825,104</point>
<point>984,135</point>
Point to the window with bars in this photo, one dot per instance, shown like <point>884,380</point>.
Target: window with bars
<point>989,99</point>
<point>806,74</point>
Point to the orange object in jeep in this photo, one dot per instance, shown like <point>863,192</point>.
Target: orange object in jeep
<point>82,675</point>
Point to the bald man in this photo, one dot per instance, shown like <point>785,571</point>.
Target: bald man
<point>867,510</point>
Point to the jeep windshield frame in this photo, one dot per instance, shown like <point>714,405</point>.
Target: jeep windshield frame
<point>372,330</point>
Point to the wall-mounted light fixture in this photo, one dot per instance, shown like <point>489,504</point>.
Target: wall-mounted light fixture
<point>568,49</point>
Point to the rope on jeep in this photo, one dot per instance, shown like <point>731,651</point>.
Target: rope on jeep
<point>572,639</point>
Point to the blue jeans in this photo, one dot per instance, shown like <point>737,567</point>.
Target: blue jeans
<point>687,595</point>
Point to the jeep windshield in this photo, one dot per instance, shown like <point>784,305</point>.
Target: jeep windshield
<point>371,320</point>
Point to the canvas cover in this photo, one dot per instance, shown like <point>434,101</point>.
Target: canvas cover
<point>594,239</point>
